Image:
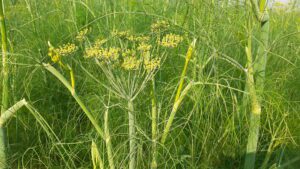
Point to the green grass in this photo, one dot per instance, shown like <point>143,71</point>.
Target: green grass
<point>211,125</point>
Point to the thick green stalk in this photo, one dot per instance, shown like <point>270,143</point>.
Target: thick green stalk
<point>3,164</point>
<point>255,111</point>
<point>154,125</point>
<point>61,78</point>
<point>5,68</point>
<point>177,100</point>
<point>5,116</point>
<point>261,57</point>
<point>132,136</point>
<point>5,85</point>
<point>108,141</point>
<point>258,68</point>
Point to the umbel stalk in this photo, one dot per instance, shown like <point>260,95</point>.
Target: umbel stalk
<point>154,125</point>
<point>108,141</point>
<point>132,136</point>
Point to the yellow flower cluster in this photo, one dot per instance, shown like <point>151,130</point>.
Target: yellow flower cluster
<point>55,57</point>
<point>82,35</point>
<point>99,42</point>
<point>128,53</point>
<point>144,47</point>
<point>95,50</point>
<point>159,26</point>
<point>131,63</point>
<point>171,40</point>
<point>151,64</point>
<point>140,55</point>
<point>91,52</point>
<point>111,53</point>
<point>66,49</point>
<point>120,34</point>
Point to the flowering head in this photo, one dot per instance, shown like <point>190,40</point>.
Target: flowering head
<point>55,57</point>
<point>120,34</point>
<point>131,63</point>
<point>170,40</point>
<point>159,26</point>
<point>151,64</point>
<point>66,49</point>
<point>56,54</point>
<point>144,47</point>
<point>81,36</point>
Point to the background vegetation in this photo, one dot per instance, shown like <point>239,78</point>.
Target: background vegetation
<point>210,128</point>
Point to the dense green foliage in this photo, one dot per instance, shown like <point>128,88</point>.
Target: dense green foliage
<point>211,126</point>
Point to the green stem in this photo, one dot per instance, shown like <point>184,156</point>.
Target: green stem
<point>5,83</point>
<point>3,164</point>
<point>255,111</point>
<point>5,116</point>
<point>96,157</point>
<point>268,155</point>
<point>183,73</point>
<point>261,57</point>
<point>61,78</point>
<point>154,125</point>
<point>132,136</point>
<point>178,93</point>
<point>108,141</point>
<point>11,111</point>
<point>173,112</point>
<point>258,68</point>
<point>5,68</point>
